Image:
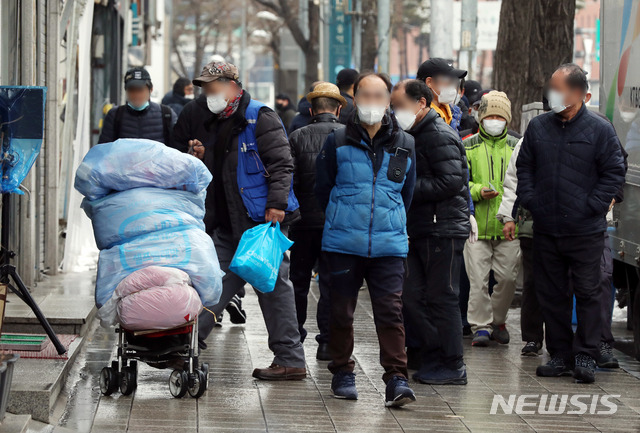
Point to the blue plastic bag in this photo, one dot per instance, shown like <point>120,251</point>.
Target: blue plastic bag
<point>121,216</point>
<point>259,255</point>
<point>130,163</point>
<point>187,248</point>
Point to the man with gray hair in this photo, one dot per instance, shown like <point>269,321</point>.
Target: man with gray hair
<point>569,170</point>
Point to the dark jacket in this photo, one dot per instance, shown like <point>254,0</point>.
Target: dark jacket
<point>303,118</point>
<point>224,205</point>
<point>175,101</point>
<point>147,123</point>
<point>347,112</point>
<point>568,173</point>
<point>440,198</point>
<point>306,144</point>
<point>366,186</point>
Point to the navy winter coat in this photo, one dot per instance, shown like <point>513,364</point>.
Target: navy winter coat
<point>568,173</point>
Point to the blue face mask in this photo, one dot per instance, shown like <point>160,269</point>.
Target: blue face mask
<point>140,108</point>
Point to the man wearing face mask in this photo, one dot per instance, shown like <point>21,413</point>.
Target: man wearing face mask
<point>488,154</point>
<point>444,81</point>
<point>139,117</point>
<point>365,179</point>
<point>180,95</point>
<point>244,145</point>
<point>438,226</point>
<point>569,170</point>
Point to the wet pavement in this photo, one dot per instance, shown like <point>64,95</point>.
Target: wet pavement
<point>235,402</point>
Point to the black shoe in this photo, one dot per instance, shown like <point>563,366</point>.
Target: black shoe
<point>556,367</point>
<point>236,313</point>
<point>323,352</point>
<point>218,322</point>
<point>606,358</point>
<point>532,348</point>
<point>585,369</point>
<point>466,331</point>
<point>201,345</point>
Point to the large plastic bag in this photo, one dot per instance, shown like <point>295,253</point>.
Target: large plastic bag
<point>259,255</point>
<point>187,248</point>
<point>156,298</point>
<point>130,163</point>
<point>121,216</point>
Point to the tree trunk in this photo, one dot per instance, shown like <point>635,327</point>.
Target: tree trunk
<point>312,51</point>
<point>534,38</point>
<point>369,36</point>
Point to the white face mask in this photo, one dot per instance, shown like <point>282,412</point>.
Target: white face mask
<point>474,114</point>
<point>405,118</point>
<point>556,101</point>
<point>216,103</point>
<point>447,95</point>
<point>371,114</point>
<point>458,98</point>
<point>494,127</point>
<point>189,96</point>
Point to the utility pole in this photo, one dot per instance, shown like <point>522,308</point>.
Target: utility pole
<point>356,19</point>
<point>384,23</point>
<point>440,39</point>
<point>243,45</point>
<point>468,35</point>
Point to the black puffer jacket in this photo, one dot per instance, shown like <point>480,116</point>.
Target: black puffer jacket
<point>346,113</point>
<point>568,173</point>
<point>440,199</point>
<point>306,144</point>
<point>224,205</point>
<point>147,123</point>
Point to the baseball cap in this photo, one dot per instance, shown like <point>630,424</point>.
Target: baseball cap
<point>137,77</point>
<point>473,91</point>
<point>439,66</point>
<point>213,71</point>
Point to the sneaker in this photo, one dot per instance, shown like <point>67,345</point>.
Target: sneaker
<point>442,376</point>
<point>398,392</point>
<point>481,338</point>
<point>323,352</point>
<point>343,385</point>
<point>236,313</point>
<point>532,348</point>
<point>556,367</point>
<point>500,334</point>
<point>606,358</point>
<point>585,369</point>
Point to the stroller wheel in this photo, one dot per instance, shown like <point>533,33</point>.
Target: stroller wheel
<point>108,381</point>
<point>178,383</point>
<point>198,385</point>
<point>128,380</point>
<point>205,370</point>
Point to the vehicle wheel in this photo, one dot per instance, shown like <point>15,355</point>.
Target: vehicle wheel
<point>205,370</point>
<point>199,385</point>
<point>178,383</point>
<point>108,381</point>
<point>128,380</point>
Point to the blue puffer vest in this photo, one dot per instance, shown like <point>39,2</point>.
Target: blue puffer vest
<point>366,214</point>
<point>252,176</point>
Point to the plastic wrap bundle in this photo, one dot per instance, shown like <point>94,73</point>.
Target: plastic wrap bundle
<point>189,249</point>
<point>156,298</point>
<point>127,214</point>
<point>134,163</point>
<point>146,203</point>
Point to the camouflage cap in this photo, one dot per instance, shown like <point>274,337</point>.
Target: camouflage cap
<point>213,71</point>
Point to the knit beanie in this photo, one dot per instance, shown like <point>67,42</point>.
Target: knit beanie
<point>495,103</point>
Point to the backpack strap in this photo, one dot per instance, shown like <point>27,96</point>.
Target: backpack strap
<point>117,121</point>
<point>166,124</point>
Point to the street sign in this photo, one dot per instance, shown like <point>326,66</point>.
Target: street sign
<point>339,38</point>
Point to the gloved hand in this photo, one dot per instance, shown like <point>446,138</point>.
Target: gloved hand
<point>473,235</point>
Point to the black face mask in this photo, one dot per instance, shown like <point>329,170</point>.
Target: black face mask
<point>279,106</point>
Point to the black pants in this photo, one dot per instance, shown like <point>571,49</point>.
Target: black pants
<point>606,287</point>
<point>384,278</point>
<point>430,299</point>
<point>531,323</point>
<point>306,250</point>
<point>553,258</point>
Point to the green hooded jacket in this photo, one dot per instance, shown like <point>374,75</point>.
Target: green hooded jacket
<point>488,158</point>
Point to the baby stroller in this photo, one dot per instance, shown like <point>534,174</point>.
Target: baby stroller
<point>175,348</point>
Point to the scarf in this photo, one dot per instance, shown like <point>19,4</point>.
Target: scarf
<point>232,107</point>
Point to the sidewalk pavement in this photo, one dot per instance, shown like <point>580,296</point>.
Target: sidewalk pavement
<point>235,402</point>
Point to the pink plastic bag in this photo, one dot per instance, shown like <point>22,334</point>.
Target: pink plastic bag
<point>156,298</point>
